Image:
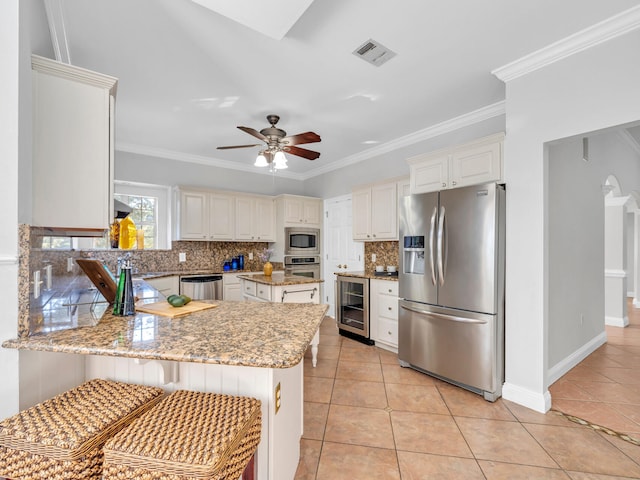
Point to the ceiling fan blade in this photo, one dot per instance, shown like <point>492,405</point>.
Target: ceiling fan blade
<point>306,137</point>
<point>239,146</point>
<point>301,152</point>
<point>255,133</point>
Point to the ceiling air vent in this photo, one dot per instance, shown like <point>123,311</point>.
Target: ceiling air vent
<point>374,52</point>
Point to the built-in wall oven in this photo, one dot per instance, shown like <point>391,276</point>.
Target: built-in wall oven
<point>302,265</point>
<point>301,241</point>
<point>352,308</point>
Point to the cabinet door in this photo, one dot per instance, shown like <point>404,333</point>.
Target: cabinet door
<point>476,165</point>
<point>312,212</point>
<point>72,176</point>
<point>244,218</point>
<point>430,175</point>
<point>384,212</point>
<point>221,218</point>
<point>232,292</point>
<point>361,204</point>
<point>265,223</point>
<point>194,215</point>
<point>293,211</point>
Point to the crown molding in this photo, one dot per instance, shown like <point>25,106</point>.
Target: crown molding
<point>601,32</point>
<point>8,260</point>
<point>201,159</point>
<point>78,74</point>
<point>471,118</point>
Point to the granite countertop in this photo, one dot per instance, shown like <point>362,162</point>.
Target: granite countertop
<point>390,278</point>
<point>279,279</point>
<point>151,275</point>
<point>255,334</point>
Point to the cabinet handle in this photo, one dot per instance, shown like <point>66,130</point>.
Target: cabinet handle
<point>345,265</point>
<point>389,332</point>
<point>389,290</point>
<point>444,184</point>
<point>389,308</point>
<point>374,235</point>
<point>339,265</point>
<point>454,183</point>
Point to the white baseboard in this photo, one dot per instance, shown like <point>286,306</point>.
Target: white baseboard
<point>563,366</point>
<point>616,321</point>
<point>540,402</point>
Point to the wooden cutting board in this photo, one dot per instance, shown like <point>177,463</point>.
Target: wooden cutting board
<point>167,310</point>
<point>99,276</point>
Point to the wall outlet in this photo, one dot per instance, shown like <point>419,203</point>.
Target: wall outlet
<point>182,257</point>
<point>373,257</point>
<point>250,255</point>
<point>69,264</point>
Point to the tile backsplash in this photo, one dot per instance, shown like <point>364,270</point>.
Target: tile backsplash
<point>386,254</point>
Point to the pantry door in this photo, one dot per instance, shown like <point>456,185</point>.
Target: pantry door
<point>341,253</point>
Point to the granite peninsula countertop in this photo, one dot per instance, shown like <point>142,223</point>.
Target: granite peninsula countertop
<point>390,278</point>
<point>279,279</point>
<point>182,273</point>
<point>255,334</point>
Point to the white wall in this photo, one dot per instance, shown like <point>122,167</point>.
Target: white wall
<point>9,155</point>
<point>586,92</point>
<point>134,167</point>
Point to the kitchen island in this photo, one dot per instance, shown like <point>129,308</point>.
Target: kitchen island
<point>237,348</point>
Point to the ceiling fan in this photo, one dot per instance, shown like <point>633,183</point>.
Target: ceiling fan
<point>277,140</point>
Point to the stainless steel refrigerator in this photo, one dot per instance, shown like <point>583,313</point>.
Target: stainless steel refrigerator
<point>451,286</point>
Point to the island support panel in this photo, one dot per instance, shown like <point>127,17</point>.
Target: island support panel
<point>279,450</point>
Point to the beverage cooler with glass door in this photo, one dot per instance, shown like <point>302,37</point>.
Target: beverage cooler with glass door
<point>352,308</point>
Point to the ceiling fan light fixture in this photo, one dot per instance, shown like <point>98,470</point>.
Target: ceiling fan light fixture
<point>261,160</point>
<point>280,161</point>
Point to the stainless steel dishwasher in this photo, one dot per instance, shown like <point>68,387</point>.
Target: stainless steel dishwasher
<point>201,287</point>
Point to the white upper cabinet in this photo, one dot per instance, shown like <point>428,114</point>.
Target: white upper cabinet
<point>469,164</point>
<point>73,125</point>
<point>299,211</point>
<point>194,215</point>
<point>375,212</point>
<point>221,216</point>
<point>255,219</point>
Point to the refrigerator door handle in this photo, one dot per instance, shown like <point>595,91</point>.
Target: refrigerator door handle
<point>441,249</point>
<point>432,230</point>
<point>452,318</point>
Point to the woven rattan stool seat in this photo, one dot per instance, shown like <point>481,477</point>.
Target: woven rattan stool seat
<point>187,435</point>
<point>62,438</point>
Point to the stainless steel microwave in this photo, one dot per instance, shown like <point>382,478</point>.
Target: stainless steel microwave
<point>301,241</point>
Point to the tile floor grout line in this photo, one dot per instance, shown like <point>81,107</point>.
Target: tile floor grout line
<point>598,428</point>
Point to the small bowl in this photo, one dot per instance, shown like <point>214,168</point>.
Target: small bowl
<point>391,268</point>
<point>379,268</point>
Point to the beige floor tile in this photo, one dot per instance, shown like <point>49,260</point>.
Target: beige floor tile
<point>359,394</point>
<point>394,373</point>
<point>464,403</point>
<point>367,372</point>
<point>415,398</point>
<point>315,420</point>
<point>628,376</point>
<point>599,413</point>
<point>325,367</point>
<point>352,462</point>
<point>502,441</point>
<point>526,415</point>
<point>387,357</point>
<point>629,449</point>
<point>583,450</point>
<point>325,352</point>
<point>593,476</point>
<point>357,352</point>
<point>309,458</point>
<point>369,427</point>
<point>611,392</point>
<point>583,373</point>
<point>428,433</point>
<point>318,389</point>
<point>509,471</point>
<point>568,390</point>
<point>422,466</point>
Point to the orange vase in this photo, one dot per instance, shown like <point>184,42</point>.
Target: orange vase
<point>267,269</point>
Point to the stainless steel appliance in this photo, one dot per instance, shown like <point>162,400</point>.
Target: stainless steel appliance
<point>352,308</point>
<point>303,266</point>
<point>202,287</point>
<point>301,241</point>
<point>451,286</point>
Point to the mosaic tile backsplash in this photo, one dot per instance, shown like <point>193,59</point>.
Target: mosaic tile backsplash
<point>386,254</point>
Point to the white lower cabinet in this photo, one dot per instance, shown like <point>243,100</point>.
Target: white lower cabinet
<point>261,292</point>
<point>231,289</point>
<point>383,313</point>
<point>165,285</point>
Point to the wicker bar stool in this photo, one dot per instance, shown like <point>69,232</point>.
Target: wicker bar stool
<point>62,437</point>
<point>188,435</point>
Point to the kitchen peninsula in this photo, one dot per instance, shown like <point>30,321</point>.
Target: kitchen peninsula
<point>239,348</point>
